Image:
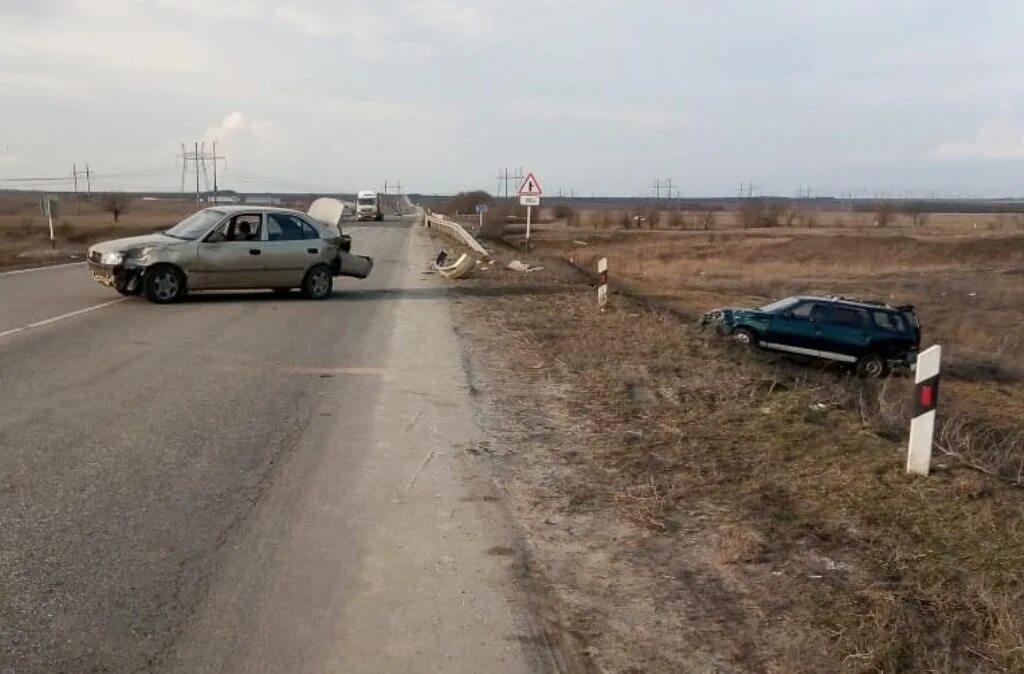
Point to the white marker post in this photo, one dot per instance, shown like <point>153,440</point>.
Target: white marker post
<point>49,206</point>
<point>926,401</point>
<point>602,282</point>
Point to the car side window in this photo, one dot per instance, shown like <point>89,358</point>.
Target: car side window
<point>889,321</point>
<point>848,316</point>
<point>282,227</point>
<point>240,228</point>
<point>308,232</point>
<point>803,311</point>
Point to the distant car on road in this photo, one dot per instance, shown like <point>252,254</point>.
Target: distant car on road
<point>228,248</point>
<point>872,336</point>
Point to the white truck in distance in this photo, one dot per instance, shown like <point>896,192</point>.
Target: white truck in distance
<point>368,206</point>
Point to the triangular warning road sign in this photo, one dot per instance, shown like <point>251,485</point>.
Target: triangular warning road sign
<point>530,187</point>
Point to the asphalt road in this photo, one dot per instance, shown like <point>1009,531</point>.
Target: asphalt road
<point>246,483</point>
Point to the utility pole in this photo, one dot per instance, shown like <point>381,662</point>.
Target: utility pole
<point>197,174</point>
<point>215,173</point>
<point>206,177</point>
<point>74,173</point>
<point>88,179</point>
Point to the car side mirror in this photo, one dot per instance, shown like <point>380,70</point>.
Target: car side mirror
<point>216,237</point>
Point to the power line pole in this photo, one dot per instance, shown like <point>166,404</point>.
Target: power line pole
<point>88,179</point>
<point>197,174</point>
<point>206,177</point>
<point>215,173</point>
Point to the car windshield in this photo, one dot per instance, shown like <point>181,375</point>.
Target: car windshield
<point>195,225</point>
<point>367,201</point>
<point>780,305</point>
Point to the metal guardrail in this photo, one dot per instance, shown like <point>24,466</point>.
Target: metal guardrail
<point>454,231</point>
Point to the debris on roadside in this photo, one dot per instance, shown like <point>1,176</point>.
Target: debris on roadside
<point>460,269</point>
<point>580,243</point>
<point>516,265</point>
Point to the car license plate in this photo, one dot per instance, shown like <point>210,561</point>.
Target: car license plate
<point>104,278</point>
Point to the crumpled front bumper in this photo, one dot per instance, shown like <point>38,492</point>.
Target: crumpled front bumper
<point>118,276</point>
<point>714,319</point>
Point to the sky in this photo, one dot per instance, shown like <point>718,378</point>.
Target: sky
<point>597,97</point>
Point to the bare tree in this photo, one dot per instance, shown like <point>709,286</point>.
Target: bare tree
<point>760,213</point>
<point>884,213</point>
<point>653,216</point>
<point>115,204</point>
<point>707,220</point>
<point>676,219</point>
<point>917,211</point>
<point>790,215</point>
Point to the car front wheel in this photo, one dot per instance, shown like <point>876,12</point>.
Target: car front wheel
<point>319,282</point>
<point>744,337</point>
<point>164,284</point>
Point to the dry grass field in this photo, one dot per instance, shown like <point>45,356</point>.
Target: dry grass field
<point>24,231</point>
<point>968,286</point>
<point>694,507</point>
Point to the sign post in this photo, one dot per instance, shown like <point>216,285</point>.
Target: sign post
<point>481,210</point>
<point>529,196</point>
<point>926,402</point>
<point>602,282</point>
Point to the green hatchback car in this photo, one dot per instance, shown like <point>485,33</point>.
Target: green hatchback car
<point>871,336</point>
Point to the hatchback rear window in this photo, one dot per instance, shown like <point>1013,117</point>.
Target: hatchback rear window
<point>889,320</point>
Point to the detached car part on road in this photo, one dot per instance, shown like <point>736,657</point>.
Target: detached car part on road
<point>230,248</point>
<point>872,336</point>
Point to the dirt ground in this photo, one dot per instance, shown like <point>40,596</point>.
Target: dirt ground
<point>690,507</point>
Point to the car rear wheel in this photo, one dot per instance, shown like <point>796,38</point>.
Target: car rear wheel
<point>744,337</point>
<point>319,282</point>
<point>164,284</point>
<point>872,366</point>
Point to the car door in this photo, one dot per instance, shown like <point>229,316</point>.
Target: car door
<point>844,333</point>
<point>231,256</point>
<point>795,330</point>
<point>293,246</point>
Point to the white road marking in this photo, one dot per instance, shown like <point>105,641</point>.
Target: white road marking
<point>51,266</point>
<point>39,324</point>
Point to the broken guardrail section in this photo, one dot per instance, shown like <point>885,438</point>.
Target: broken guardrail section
<point>456,233</point>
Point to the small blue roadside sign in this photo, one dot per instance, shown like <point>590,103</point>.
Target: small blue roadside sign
<point>481,209</point>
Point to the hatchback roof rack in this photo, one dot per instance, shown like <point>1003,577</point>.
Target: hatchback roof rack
<point>839,298</point>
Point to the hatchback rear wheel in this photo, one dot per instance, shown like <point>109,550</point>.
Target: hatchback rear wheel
<point>319,282</point>
<point>872,366</point>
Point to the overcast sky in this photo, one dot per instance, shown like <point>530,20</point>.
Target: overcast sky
<point>601,96</point>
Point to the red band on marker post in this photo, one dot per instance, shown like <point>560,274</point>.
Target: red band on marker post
<point>927,396</point>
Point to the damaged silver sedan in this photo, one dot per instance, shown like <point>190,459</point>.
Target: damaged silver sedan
<point>231,248</point>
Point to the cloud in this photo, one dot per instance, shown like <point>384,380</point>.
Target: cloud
<point>600,112</point>
<point>235,125</point>
<point>996,138</point>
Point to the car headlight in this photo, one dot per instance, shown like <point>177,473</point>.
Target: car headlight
<point>112,259</point>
